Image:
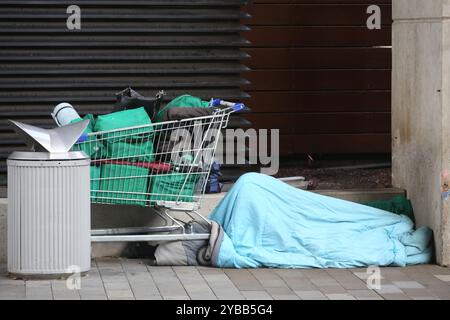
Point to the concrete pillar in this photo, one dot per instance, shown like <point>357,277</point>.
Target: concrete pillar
<point>421,112</point>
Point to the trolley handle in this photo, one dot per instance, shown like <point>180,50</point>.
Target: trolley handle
<point>230,107</point>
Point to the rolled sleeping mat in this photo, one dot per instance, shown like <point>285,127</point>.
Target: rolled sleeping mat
<point>64,113</point>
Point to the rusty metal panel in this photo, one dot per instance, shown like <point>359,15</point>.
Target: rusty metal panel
<point>320,75</point>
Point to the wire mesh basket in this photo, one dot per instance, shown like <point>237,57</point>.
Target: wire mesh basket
<point>161,165</point>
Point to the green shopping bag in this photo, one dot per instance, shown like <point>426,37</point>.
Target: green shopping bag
<point>95,181</point>
<point>93,148</point>
<point>123,184</point>
<point>169,187</point>
<point>129,144</point>
<point>183,101</point>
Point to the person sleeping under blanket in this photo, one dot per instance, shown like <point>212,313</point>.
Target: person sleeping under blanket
<point>264,222</point>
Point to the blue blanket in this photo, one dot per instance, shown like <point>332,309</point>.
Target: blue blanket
<point>268,223</point>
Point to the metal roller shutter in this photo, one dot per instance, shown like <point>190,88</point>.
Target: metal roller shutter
<point>179,46</point>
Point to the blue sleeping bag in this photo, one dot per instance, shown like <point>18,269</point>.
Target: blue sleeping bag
<point>267,223</point>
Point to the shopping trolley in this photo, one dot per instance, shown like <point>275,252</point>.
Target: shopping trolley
<point>164,166</point>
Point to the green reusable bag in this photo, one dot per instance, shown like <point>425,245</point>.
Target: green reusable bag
<point>122,119</point>
<point>184,101</point>
<point>397,205</point>
<point>120,183</point>
<point>93,148</point>
<point>167,187</point>
<point>90,127</point>
<point>136,148</point>
<point>129,144</point>
<point>95,181</point>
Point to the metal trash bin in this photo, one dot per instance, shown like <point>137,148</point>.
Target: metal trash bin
<point>48,214</point>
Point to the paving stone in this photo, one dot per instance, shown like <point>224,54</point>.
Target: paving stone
<point>141,283</point>
<point>347,279</point>
<point>319,282</point>
<point>408,284</point>
<point>93,297</point>
<point>323,281</point>
<point>256,295</point>
<point>340,296</point>
<point>143,293</point>
<point>364,275</point>
<point>65,296</point>
<point>285,297</point>
<point>394,274</point>
<point>117,285</point>
<point>110,265</point>
<point>300,284</point>
<point>339,272</point>
<point>439,292</point>
<point>443,277</point>
<point>332,289</point>
<point>115,281</point>
<point>87,293</point>
<point>182,297</point>
<point>315,273</point>
<point>295,279</point>
<point>12,291</point>
<point>268,278</point>
<point>209,270</point>
<point>60,291</point>
<point>134,266</point>
<point>244,280</point>
<point>12,296</point>
<point>223,287</point>
<point>92,283</point>
<point>328,285</point>
<point>38,290</point>
<point>395,296</point>
<point>435,269</point>
<point>389,289</point>
<point>289,273</point>
<point>311,295</point>
<point>278,293</point>
<point>418,292</point>
<point>425,278</point>
<point>4,280</point>
<point>168,284</point>
<point>120,294</point>
<point>125,279</point>
<point>194,283</point>
<point>365,294</point>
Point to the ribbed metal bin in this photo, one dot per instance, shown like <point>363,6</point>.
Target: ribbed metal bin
<point>48,214</point>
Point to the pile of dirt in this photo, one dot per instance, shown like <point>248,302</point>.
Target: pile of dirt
<point>341,178</point>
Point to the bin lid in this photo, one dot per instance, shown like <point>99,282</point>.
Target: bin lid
<point>56,140</point>
<point>47,156</point>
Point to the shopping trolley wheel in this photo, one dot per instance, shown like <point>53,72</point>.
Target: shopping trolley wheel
<point>203,256</point>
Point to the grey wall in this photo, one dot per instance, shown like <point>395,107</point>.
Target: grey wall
<point>420,111</point>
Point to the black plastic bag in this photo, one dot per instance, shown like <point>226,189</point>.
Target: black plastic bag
<point>131,99</point>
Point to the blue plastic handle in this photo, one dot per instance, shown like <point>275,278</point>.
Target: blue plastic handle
<point>219,102</point>
<point>238,107</point>
<point>82,138</point>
